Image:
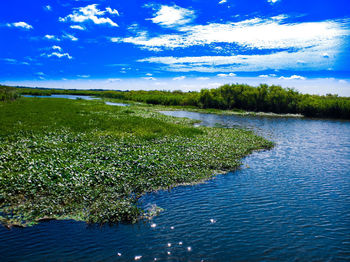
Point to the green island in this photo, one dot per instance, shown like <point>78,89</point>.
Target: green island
<point>88,161</point>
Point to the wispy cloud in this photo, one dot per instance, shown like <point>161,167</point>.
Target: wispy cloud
<point>222,2</point>
<point>112,11</point>
<point>56,47</point>
<point>312,57</point>
<point>293,77</point>
<point>149,78</point>
<point>272,1</point>
<point>22,25</point>
<point>48,8</point>
<point>172,16</point>
<point>226,75</point>
<point>179,78</point>
<point>272,42</point>
<point>78,27</point>
<point>270,33</point>
<point>69,36</point>
<point>13,61</point>
<point>52,37</point>
<point>202,78</point>
<point>90,13</point>
<point>59,55</point>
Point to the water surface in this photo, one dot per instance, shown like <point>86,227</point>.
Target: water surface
<point>66,96</point>
<point>291,203</point>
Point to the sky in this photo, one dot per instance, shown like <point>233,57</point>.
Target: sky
<point>183,45</point>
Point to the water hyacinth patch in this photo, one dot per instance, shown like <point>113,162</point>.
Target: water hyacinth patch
<point>84,160</point>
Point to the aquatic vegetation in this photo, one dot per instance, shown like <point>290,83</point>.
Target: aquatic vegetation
<point>84,160</point>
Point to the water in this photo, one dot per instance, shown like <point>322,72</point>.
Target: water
<point>65,96</point>
<point>116,104</point>
<point>74,97</point>
<point>291,203</point>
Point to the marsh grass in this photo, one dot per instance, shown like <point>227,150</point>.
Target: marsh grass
<point>84,160</point>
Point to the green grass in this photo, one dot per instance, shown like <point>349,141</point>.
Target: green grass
<point>84,160</point>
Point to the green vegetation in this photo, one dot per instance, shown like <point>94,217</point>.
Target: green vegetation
<point>263,98</point>
<point>8,93</point>
<point>84,160</point>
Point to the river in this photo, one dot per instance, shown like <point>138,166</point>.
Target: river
<point>291,203</point>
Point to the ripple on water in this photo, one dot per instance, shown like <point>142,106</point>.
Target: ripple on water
<point>292,203</point>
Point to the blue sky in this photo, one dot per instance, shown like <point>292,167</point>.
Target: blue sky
<point>183,44</point>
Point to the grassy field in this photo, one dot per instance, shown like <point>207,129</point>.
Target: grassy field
<point>84,160</point>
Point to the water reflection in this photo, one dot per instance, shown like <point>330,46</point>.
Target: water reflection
<point>289,203</point>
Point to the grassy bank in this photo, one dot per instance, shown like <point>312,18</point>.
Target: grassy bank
<point>84,160</point>
<point>263,98</point>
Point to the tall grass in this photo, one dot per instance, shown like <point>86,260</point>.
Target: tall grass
<point>263,98</point>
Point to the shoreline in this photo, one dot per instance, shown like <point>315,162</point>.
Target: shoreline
<point>88,161</point>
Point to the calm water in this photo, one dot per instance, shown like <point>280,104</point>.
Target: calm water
<point>291,203</point>
<point>66,96</point>
<point>74,97</point>
<point>116,104</point>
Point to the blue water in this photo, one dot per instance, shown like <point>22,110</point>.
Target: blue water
<point>65,96</point>
<point>291,203</point>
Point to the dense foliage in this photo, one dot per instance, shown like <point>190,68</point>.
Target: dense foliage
<point>84,160</point>
<point>8,93</point>
<point>263,98</point>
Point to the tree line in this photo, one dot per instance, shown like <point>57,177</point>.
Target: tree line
<point>263,98</point>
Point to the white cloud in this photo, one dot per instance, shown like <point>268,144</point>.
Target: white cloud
<point>226,75</point>
<point>52,37</point>
<point>112,11</point>
<point>9,60</point>
<point>179,78</point>
<point>149,78</point>
<point>149,74</point>
<point>83,76</point>
<point>293,77</point>
<point>13,61</point>
<point>22,25</point>
<point>172,16</point>
<point>282,60</point>
<point>202,78</point>
<point>272,1</point>
<point>342,81</point>
<point>222,2</point>
<point>90,13</point>
<point>48,8</point>
<point>263,76</point>
<point>56,47</point>
<point>256,33</point>
<point>59,55</point>
<point>71,37</point>
<point>79,27</point>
